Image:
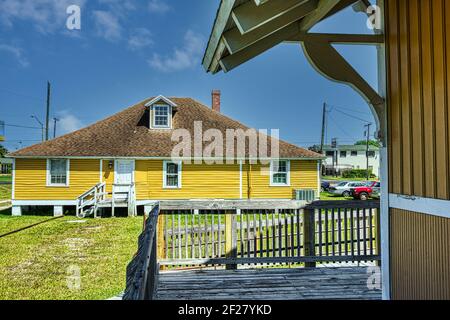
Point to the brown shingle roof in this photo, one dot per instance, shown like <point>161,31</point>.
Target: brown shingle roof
<point>127,134</point>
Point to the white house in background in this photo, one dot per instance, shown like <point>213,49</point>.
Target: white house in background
<point>347,157</point>
<point>5,165</point>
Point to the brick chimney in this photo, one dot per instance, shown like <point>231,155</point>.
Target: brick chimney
<point>216,100</point>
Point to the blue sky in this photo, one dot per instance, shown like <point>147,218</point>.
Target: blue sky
<point>128,50</point>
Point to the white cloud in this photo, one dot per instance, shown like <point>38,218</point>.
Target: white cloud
<point>182,58</point>
<point>107,25</point>
<point>158,6</point>
<point>47,16</point>
<point>68,123</point>
<point>140,38</point>
<point>16,52</point>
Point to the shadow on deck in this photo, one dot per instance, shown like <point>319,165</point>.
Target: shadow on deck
<point>267,284</point>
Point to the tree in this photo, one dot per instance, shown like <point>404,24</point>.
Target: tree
<point>3,151</point>
<point>373,143</point>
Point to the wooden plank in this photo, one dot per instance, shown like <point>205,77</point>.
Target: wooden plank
<point>230,204</point>
<point>236,41</point>
<point>249,17</point>
<point>283,284</point>
<point>271,260</point>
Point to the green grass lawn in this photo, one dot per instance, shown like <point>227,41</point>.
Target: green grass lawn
<point>328,178</point>
<point>5,192</point>
<point>328,196</point>
<point>5,178</point>
<point>40,263</point>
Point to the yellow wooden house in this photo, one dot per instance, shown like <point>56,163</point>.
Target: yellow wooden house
<point>126,161</point>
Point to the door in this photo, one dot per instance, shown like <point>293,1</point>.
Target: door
<point>123,178</point>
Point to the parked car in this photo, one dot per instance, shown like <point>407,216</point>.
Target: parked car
<point>371,190</point>
<point>325,186</point>
<point>344,188</point>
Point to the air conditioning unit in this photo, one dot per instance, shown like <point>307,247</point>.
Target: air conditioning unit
<point>308,195</point>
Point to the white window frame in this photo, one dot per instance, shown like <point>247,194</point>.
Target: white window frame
<point>49,178</point>
<point>153,117</point>
<point>288,174</point>
<point>165,186</point>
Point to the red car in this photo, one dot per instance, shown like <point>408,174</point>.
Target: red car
<point>371,190</point>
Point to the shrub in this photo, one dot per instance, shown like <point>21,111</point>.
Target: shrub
<point>357,173</point>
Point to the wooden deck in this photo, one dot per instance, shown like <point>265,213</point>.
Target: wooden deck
<point>267,284</point>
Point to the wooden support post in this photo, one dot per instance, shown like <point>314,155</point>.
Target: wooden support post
<point>309,235</point>
<point>162,250</point>
<point>231,238</point>
<point>378,234</point>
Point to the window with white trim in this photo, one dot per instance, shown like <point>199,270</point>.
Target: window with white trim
<point>280,173</point>
<point>172,175</point>
<point>161,116</point>
<point>58,172</point>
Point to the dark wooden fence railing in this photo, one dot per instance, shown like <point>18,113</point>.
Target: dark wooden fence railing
<point>142,272</point>
<point>328,231</point>
<point>324,231</point>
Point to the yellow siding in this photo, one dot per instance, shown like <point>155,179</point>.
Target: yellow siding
<point>303,176</point>
<point>108,175</point>
<point>31,180</point>
<point>198,181</point>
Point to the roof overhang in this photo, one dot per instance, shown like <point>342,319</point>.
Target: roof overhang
<point>159,99</point>
<point>244,29</point>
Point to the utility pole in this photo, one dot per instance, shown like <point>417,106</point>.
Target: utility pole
<point>55,120</point>
<point>47,117</point>
<point>324,123</point>
<point>367,149</point>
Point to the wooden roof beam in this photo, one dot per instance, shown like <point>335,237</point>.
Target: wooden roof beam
<point>232,61</point>
<point>235,41</point>
<point>324,8</point>
<point>249,16</point>
<point>216,34</point>
<point>359,39</point>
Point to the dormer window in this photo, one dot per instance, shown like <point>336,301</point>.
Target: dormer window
<point>161,116</point>
<point>161,112</point>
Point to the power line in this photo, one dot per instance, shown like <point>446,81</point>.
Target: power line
<point>352,116</point>
<point>355,110</point>
<point>20,126</point>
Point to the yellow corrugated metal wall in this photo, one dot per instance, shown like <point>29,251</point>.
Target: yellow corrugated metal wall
<point>420,267</point>
<point>418,85</point>
<point>418,72</point>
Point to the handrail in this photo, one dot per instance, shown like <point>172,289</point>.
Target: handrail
<point>97,193</point>
<point>142,271</point>
<point>344,231</point>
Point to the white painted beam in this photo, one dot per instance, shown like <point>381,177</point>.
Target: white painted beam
<point>250,16</point>
<point>235,41</point>
<point>260,2</point>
